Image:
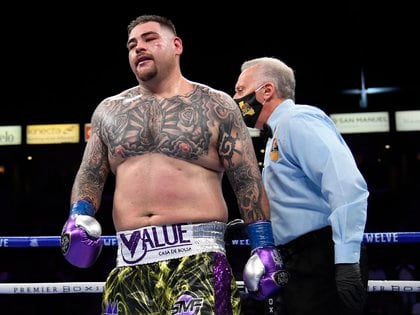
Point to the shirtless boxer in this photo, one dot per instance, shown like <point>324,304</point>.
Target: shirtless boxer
<point>169,141</point>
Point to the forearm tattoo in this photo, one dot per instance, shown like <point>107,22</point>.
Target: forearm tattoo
<point>93,172</point>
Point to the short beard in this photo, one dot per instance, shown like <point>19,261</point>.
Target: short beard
<point>147,76</point>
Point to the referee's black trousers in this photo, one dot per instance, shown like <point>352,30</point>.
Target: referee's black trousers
<point>312,289</point>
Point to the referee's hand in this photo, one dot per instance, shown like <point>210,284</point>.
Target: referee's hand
<point>350,287</point>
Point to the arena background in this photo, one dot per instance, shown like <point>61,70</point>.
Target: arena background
<point>60,60</point>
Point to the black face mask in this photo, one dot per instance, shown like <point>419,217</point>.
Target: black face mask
<point>250,109</point>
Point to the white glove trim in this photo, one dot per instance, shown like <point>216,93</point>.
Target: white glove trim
<point>253,271</point>
<point>89,224</point>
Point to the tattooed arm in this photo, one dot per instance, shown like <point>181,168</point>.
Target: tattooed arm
<point>94,168</point>
<point>81,241</point>
<point>263,274</point>
<point>237,154</point>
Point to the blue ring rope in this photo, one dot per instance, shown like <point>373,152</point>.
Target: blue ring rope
<point>110,240</point>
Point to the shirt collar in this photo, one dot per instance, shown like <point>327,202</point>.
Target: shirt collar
<point>283,106</point>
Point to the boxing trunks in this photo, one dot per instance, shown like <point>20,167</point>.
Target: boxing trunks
<point>172,269</point>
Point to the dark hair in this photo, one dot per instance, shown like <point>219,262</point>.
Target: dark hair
<point>163,21</point>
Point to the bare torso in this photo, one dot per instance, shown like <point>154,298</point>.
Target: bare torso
<point>164,154</point>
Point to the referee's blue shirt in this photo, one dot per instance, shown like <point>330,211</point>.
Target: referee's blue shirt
<point>312,180</point>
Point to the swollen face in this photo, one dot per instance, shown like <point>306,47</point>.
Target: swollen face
<point>146,43</point>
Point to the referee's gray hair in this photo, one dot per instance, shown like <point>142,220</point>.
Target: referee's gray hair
<point>276,71</point>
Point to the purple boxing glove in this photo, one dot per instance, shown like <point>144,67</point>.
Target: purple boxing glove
<point>81,241</point>
<point>264,274</point>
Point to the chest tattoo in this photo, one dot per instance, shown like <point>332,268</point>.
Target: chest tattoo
<point>171,126</point>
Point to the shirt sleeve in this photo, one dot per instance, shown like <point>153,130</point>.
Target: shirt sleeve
<point>324,157</point>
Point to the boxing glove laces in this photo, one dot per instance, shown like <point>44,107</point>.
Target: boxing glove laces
<point>81,241</point>
<point>264,274</point>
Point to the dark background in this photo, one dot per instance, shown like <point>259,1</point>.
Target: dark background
<point>60,60</point>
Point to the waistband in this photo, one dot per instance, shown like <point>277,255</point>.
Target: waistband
<point>306,240</point>
<point>156,243</point>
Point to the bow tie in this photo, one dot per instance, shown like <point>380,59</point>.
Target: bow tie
<point>266,132</point>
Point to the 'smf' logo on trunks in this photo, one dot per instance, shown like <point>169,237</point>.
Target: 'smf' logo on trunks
<point>164,239</point>
<point>187,304</point>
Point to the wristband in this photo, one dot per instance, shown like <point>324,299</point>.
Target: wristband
<point>260,234</point>
<point>82,207</point>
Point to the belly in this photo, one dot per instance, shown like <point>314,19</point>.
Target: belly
<point>154,189</point>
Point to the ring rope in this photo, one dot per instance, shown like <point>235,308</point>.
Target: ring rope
<point>97,287</point>
<point>110,240</point>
